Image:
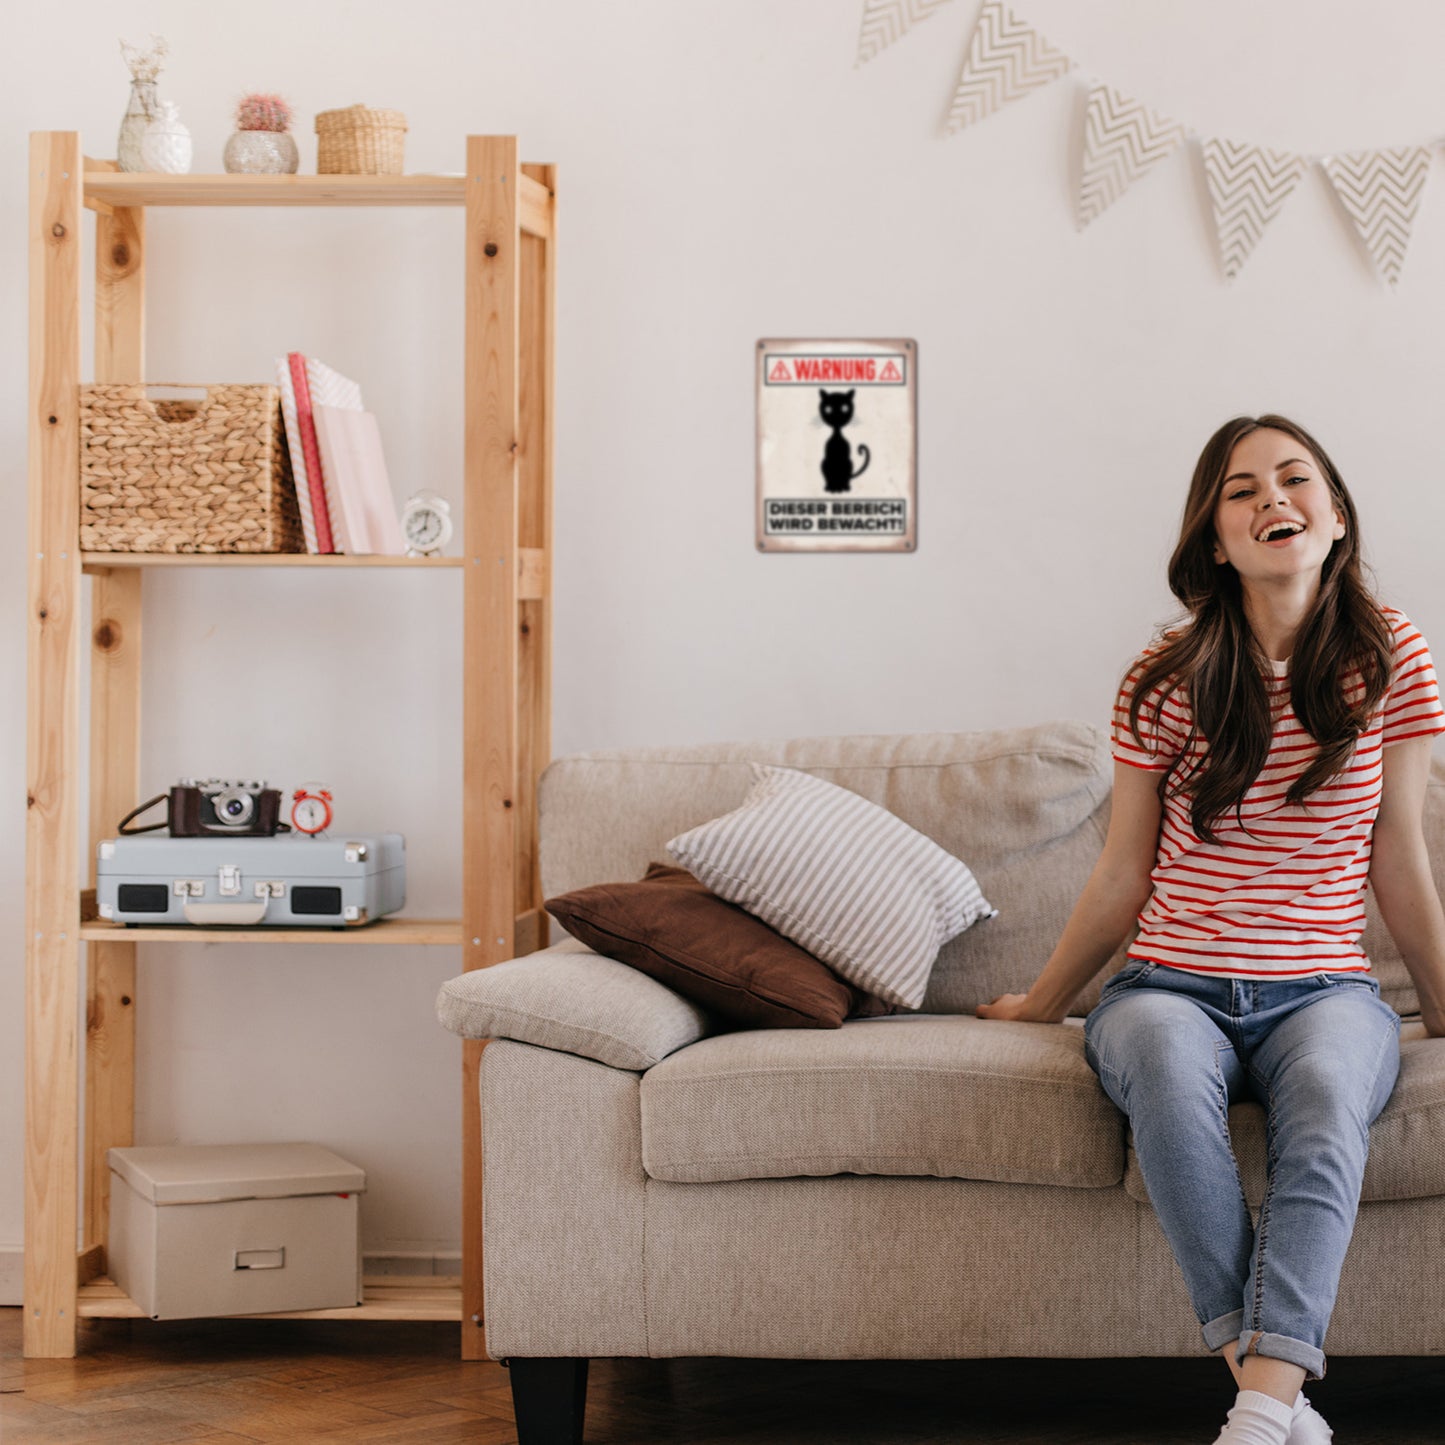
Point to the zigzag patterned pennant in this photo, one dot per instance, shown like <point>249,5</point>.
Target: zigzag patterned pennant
<point>1381,190</point>
<point>1248,186</point>
<point>1122,140</point>
<point>1007,58</point>
<point>885,21</point>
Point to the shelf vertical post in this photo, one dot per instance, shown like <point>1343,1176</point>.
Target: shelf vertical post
<point>537,309</point>
<point>489,705</point>
<point>115,640</point>
<point>52,891</point>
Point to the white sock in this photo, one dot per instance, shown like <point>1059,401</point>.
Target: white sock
<point>1307,1425</point>
<point>1257,1419</point>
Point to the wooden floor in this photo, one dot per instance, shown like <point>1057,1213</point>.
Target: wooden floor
<point>136,1383</point>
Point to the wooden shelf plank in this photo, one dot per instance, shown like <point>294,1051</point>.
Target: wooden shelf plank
<point>386,1297</point>
<point>146,188</point>
<point>384,930</point>
<point>99,561</point>
<point>532,567</point>
<point>143,188</point>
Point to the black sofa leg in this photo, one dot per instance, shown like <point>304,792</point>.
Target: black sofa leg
<point>549,1397</point>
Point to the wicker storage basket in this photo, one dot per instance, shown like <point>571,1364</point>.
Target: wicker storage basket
<point>359,142</point>
<point>186,476</point>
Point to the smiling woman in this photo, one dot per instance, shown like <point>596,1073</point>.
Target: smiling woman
<point>1271,758</point>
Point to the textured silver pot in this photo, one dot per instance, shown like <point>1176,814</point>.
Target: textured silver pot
<point>261,152</point>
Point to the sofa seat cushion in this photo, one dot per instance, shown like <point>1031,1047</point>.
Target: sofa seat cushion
<point>1407,1141</point>
<point>952,1097</point>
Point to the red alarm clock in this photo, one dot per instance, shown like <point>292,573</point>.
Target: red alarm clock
<point>311,809</point>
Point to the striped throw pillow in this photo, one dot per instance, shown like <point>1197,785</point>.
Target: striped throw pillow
<point>843,878</point>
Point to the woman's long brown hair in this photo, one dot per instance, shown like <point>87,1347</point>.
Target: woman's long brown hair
<point>1217,661</point>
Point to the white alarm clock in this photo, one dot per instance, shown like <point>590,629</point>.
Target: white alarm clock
<point>311,809</point>
<point>426,524</point>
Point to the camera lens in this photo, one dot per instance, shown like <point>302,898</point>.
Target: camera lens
<point>234,807</point>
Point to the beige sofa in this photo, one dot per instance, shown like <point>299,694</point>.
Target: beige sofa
<point>916,1186</point>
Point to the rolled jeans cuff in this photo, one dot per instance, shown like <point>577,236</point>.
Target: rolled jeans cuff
<point>1223,1331</point>
<point>1282,1347</point>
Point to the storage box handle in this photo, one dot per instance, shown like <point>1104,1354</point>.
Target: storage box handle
<point>163,409</point>
<point>260,1259</point>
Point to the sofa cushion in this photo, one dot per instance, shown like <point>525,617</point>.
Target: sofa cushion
<point>842,877</point>
<point>674,929</point>
<point>575,1001</point>
<point>1407,1141</point>
<point>951,1097</point>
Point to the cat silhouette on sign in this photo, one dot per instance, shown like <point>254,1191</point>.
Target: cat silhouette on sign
<point>836,409</point>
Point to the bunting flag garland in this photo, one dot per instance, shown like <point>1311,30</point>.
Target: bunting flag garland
<point>1006,59</point>
<point>1248,186</point>
<point>1381,190</point>
<point>885,21</point>
<point>1122,140</point>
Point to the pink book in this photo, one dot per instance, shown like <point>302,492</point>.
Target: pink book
<point>306,425</point>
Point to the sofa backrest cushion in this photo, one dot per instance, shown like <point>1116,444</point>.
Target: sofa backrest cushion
<point>1025,808</point>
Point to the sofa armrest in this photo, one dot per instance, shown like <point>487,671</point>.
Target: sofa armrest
<point>573,1000</point>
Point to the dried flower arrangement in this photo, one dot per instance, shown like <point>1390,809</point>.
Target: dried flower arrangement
<point>261,111</point>
<point>144,64</point>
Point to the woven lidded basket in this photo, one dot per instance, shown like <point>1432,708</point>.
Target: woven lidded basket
<point>359,142</point>
<point>186,476</point>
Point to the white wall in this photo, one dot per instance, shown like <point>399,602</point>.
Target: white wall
<point>727,174</point>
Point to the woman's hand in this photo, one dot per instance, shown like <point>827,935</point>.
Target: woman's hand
<point>1012,1006</point>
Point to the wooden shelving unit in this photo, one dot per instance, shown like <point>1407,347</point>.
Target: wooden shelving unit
<point>508,269</point>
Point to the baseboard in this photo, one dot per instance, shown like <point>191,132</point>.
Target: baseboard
<point>12,1275</point>
<point>12,1268</point>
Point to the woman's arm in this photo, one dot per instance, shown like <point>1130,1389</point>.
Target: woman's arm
<point>1116,891</point>
<point>1400,875</point>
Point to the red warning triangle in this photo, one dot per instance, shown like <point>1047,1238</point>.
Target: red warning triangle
<point>780,372</point>
<point>890,373</point>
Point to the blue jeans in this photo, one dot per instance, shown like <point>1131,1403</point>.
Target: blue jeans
<point>1173,1050</point>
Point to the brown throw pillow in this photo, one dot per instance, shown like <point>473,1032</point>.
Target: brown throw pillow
<point>670,927</point>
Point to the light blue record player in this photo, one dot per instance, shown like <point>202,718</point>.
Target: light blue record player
<point>251,882</point>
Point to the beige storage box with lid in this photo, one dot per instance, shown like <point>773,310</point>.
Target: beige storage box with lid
<point>235,1229</point>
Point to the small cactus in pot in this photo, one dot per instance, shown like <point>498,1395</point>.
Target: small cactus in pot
<point>262,143</point>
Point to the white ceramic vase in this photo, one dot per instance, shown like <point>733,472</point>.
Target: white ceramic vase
<point>166,146</point>
<point>261,152</point>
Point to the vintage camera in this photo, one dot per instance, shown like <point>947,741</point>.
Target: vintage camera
<point>215,806</point>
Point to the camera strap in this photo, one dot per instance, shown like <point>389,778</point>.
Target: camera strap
<point>145,807</point>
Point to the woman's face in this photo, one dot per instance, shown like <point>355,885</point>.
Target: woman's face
<point>1274,518</point>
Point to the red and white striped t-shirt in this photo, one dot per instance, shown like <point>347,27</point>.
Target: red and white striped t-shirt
<point>1285,899</point>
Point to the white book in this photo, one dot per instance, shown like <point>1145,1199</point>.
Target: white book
<point>352,457</point>
<point>329,387</point>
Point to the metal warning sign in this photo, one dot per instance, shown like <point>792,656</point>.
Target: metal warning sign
<point>837,446</point>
